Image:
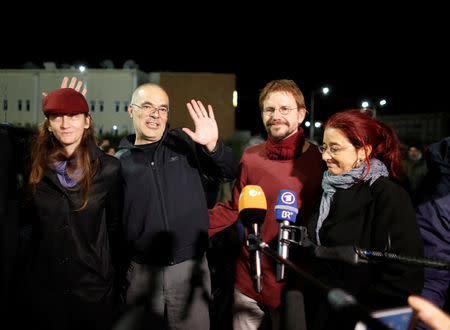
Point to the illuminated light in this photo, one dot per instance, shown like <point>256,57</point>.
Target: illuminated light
<point>307,123</point>
<point>383,102</point>
<point>325,90</point>
<point>235,99</point>
<point>317,124</point>
<point>82,68</point>
<point>365,104</point>
<point>115,127</point>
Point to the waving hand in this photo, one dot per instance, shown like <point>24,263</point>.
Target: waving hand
<point>206,130</point>
<point>72,85</point>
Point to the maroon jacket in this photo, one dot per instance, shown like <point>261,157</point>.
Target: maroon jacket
<point>303,175</point>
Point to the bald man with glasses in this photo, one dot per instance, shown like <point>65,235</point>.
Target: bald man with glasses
<point>165,209</point>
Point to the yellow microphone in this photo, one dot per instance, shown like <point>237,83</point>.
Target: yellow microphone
<point>252,205</point>
<point>252,212</point>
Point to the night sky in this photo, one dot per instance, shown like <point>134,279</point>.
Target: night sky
<point>404,60</point>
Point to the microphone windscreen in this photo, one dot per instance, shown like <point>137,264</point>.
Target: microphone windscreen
<point>252,197</point>
<point>286,207</point>
<point>252,205</point>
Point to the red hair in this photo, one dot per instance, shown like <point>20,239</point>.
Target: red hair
<point>362,130</point>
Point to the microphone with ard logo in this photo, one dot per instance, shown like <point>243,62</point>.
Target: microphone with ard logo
<point>252,212</point>
<point>285,213</point>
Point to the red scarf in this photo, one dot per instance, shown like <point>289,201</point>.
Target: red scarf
<point>285,149</point>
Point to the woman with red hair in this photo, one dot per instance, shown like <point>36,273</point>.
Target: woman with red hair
<point>363,205</point>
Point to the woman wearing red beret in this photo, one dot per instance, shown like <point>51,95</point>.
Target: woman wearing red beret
<point>76,198</point>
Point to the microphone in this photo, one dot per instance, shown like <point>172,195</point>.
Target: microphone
<point>252,212</point>
<point>285,213</point>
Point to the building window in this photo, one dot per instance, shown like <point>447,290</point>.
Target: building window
<point>19,105</point>
<point>125,106</point>
<point>101,106</point>
<point>92,106</point>
<point>28,105</point>
<point>117,106</point>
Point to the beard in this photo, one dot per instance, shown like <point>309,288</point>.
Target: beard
<point>281,132</point>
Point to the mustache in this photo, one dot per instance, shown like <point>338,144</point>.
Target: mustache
<point>151,120</point>
<point>278,121</point>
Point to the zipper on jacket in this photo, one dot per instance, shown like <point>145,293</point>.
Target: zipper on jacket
<point>161,196</point>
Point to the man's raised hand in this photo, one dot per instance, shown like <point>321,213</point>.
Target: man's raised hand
<point>206,130</point>
<point>72,85</point>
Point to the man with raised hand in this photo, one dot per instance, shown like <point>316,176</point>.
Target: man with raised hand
<point>165,208</point>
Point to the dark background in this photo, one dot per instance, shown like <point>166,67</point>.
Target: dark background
<point>400,54</point>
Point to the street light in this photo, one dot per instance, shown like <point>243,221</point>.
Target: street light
<point>365,105</point>
<point>324,90</point>
<point>82,68</point>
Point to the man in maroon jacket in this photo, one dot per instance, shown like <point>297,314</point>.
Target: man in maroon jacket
<point>285,161</point>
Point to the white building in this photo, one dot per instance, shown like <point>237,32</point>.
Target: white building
<point>109,94</point>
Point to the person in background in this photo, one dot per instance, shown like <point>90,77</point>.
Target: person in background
<point>285,161</point>
<point>362,205</point>
<point>105,145</point>
<point>111,151</point>
<point>166,211</point>
<point>75,212</point>
<point>415,168</point>
<point>433,216</point>
<point>14,157</point>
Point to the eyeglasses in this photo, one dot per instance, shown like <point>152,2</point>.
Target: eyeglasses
<point>283,110</point>
<point>332,149</point>
<point>150,108</point>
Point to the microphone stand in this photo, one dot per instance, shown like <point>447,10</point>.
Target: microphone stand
<point>392,257</point>
<point>354,255</point>
<point>255,259</point>
<point>337,298</point>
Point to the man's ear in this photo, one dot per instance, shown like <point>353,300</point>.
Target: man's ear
<point>130,110</point>
<point>301,115</point>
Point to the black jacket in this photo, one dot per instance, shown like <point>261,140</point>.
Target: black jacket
<point>74,251</point>
<point>13,173</point>
<point>165,206</point>
<point>363,216</point>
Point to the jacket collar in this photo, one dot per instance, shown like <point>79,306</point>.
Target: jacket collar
<point>128,141</point>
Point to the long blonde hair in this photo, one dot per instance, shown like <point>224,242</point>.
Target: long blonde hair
<point>46,149</point>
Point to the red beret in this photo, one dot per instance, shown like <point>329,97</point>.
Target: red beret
<point>65,100</point>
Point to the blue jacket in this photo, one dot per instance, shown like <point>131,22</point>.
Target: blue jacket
<point>433,216</point>
<point>165,210</point>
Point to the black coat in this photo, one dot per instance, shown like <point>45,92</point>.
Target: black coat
<point>13,173</point>
<point>363,216</point>
<point>72,271</point>
<point>165,206</point>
